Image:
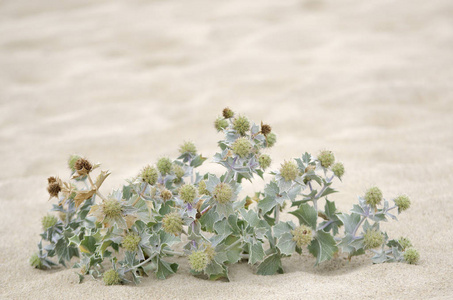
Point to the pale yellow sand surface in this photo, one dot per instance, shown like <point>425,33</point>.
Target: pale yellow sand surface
<point>124,83</point>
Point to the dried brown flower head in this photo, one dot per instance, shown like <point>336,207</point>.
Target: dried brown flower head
<point>83,166</point>
<point>265,129</point>
<point>227,113</point>
<point>54,186</point>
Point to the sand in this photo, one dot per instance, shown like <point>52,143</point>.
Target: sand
<point>126,83</point>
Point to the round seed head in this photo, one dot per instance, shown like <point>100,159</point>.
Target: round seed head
<point>227,113</point>
<point>131,241</point>
<point>112,208</point>
<point>35,261</point>
<point>166,195</point>
<point>188,192</point>
<point>242,147</point>
<point>188,147</point>
<point>266,129</point>
<point>72,160</point>
<point>202,188</point>
<point>326,158</point>
<point>48,221</point>
<point>265,161</point>
<point>338,169</point>
<point>149,175</point>
<point>53,188</point>
<point>411,256</point>
<point>302,235</point>
<point>271,139</point>
<point>373,196</point>
<point>372,239</point>
<point>51,179</point>
<point>220,124</point>
<point>289,170</point>
<point>83,166</point>
<point>223,193</point>
<point>210,251</point>
<point>403,202</point>
<point>179,171</point>
<point>111,277</point>
<point>172,223</point>
<point>405,243</point>
<point>198,260</point>
<point>241,124</point>
<point>164,165</point>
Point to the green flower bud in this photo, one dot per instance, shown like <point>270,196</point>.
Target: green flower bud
<point>220,124</point>
<point>71,162</point>
<point>242,147</point>
<point>164,165</point>
<point>202,188</point>
<point>302,235</point>
<point>372,239</point>
<point>210,251</point>
<point>241,124</point>
<point>223,193</point>
<point>48,221</point>
<point>373,196</point>
<point>112,208</point>
<point>271,139</point>
<point>338,169</point>
<point>411,256</point>
<point>198,260</point>
<point>188,192</point>
<point>403,202</point>
<point>172,223</point>
<point>111,277</point>
<point>166,195</point>
<point>405,243</point>
<point>179,171</point>
<point>149,175</point>
<point>326,158</point>
<point>227,113</point>
<point>188,147</point>
<point>265,161</point>
<point>131,241</point>
<point>289,170</point>
<point>35,261</point>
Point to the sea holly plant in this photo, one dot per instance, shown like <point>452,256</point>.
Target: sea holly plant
<point>171,209</point>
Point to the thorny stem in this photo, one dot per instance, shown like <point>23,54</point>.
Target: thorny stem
<point>94,187</point>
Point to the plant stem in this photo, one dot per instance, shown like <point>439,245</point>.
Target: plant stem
<point>142,263</point>
<point>277,213</point>
<point>358,226</point>
<point>95,188</point>
<point>174,253</point>
<point>232,245</point>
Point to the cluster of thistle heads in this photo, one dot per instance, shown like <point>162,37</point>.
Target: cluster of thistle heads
<point>170,209</point>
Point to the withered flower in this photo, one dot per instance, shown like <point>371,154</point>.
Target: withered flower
<point>83,166</point>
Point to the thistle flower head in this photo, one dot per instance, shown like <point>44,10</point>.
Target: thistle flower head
<point>54,187</point>
<point>265,161</point>
<point>35,261</point>
<point>227,113</point>
<point>265,129</point>
<point>289,170</point>
<point>83,166</point>
<point>302,235</point>
<point>198,260</point>
<point>111,277</point>
<point>131,241</point>
<point>405,243</point>
<point>112,208</point>
<point>271,139</point>
<point>403,202</point>
<point>220,124</point>
<point>188,147</point>
<point>373,196</point>
<point>164,165</point>
<point>372,239</point>
<point>338,169</point>
<point>149,175</point>
<point>202,188</point>
<point>241,124</point>
<point>188,192</point>
<point>166,195</point>
<point>242,147</point>
<point>326,158</point>
<point>72,160</point>
<point>48,221</point>
<point>223,192</point>
<point>179,171</point>
<point>172,223</point>
<point>411,256</point>
<point>210,251</point>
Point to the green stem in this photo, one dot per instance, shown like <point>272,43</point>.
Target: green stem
<point>234,244</point>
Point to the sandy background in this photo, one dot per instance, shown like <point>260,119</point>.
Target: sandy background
<point>125,83</point>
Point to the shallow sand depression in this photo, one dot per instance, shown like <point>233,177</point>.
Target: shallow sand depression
<point>126,83</point>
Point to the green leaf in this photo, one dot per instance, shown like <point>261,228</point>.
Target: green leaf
<point>88,245</point>
<point>267,204</point>
<point>350,221</point>
<point>165,269</point>
<point>223,228</point>
<point>328,191</point>
<point>307,215</point>
<point>209,219</point>
<point>322,247</point>
<point>256,252</point>
<point>286,244</point>
<point>250,216</point>
<point>271,265</point>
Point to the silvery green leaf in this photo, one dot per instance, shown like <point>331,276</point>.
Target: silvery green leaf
<point>223,228</point>
<point>233,221</point>
<point>307,215</point>
<point>323,246</point>
<point>209,219</point>
<point>214,268</point>
<point>349,221</point>
<point>165,269</point>
<point>328,191</point>
<point>281,228</point>
<point>256,253</point>
<point>224,209</point>
<point>212,182</point>
<point>286,244</point>
<point>250,216</point>
<point>271,265</point>
<point>267,204</point>
<point>293,192</point>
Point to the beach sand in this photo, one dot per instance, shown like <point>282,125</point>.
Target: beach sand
<point>126,83</point>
